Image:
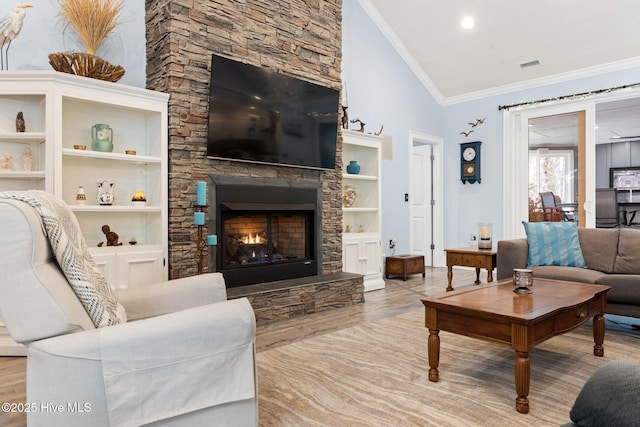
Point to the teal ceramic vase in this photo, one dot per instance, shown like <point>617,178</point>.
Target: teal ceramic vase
<point>353,167</point>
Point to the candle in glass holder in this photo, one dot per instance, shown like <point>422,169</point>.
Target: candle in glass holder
<point>484,234</point>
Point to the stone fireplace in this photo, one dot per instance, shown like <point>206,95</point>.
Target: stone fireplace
<point>268,229</point>
<point>297,37</point>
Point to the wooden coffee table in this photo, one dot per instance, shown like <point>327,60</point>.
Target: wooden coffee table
<point>471,257</point>
<point>493,312</point>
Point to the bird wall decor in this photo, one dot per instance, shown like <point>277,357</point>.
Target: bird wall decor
<point>473,125</point>
<point>477,122</point>
<point>10,27</point>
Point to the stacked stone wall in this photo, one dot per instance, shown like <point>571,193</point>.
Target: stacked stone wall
<point>294,37</point>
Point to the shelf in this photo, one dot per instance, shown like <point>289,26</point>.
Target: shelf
<point>125,247</point>
<point>114,209</point>
<point>60,111</point>
<point>23,175</point>
<point>359,177</point>
<point>23,137</point>
<point>72,152</point>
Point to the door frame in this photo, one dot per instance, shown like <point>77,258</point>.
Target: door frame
<point>419,138</point>
<point>516,161</point>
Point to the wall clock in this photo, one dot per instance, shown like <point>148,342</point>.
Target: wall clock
<point>470,162</point>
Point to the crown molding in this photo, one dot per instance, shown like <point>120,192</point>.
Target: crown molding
<point>545,81</point>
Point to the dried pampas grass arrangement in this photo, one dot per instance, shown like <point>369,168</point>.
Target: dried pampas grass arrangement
<point>92,21</point>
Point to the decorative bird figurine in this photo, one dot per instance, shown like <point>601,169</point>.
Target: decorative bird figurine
<point>477,122</point>
<point>10,27</point>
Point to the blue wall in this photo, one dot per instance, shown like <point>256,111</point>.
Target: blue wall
<point>466,205</point>
<point>42,34</point>
<point>382,90</point>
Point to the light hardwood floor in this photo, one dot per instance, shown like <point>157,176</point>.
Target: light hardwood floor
<point>398,297</point>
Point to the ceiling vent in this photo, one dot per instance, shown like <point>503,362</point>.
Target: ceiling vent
<point>529,64</point>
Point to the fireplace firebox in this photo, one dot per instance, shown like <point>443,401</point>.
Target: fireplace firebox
<point>265,232</point>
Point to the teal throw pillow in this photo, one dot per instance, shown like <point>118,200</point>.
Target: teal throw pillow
<point>553,243</point>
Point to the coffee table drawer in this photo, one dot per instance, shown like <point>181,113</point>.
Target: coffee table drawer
<point>572,318</point>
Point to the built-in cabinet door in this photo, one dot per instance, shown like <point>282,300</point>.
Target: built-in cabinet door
<point>138,269</point>
<point>125,268</point>
<point>371,255</point>
<point>107,265</point>
<point>351,255</point>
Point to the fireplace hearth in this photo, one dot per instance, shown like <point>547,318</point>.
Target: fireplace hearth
<point>268,229</point>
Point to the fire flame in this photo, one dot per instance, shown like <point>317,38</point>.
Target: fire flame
<point>251,239</point>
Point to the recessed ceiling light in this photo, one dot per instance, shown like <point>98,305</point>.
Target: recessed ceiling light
<point>467,23</point>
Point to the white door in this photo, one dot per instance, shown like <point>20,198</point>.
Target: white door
<point>421,202</point>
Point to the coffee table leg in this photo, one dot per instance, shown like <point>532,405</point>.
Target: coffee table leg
<point>598,335</point>
<point>523,379</point>
<point>449,277</point>
<point>433,346</point>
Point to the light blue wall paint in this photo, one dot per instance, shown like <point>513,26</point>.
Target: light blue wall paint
<point>42,34</point>
<point>466,205</point>
<point>381,90</point>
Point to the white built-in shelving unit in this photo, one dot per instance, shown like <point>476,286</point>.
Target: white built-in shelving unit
<point>361,241</point>
<point>59,111</point>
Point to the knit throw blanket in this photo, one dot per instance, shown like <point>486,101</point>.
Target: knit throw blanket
<point>70,250</point>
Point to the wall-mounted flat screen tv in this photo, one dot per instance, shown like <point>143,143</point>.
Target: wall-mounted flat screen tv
<point>258,115</point>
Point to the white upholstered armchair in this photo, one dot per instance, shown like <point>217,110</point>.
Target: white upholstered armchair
<point>183,356</point>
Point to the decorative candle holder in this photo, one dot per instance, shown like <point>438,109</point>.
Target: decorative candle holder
<point>212,241</point>
<point>201,239</point>
<point>522,280</point>
<point>484,235</point>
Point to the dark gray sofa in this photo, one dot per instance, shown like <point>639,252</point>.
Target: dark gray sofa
<point>612,257</point>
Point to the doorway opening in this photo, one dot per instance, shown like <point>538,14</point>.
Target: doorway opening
<point>426,235</point>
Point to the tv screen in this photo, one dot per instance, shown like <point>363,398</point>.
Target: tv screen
<point>258,115</point>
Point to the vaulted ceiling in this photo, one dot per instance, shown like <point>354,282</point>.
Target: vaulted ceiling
<point>563,39</point>
<point>567,38</point>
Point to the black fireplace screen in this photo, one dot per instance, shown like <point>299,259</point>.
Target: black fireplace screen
<point>262,238</point>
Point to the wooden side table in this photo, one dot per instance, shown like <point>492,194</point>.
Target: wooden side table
<point>404,265</point>
<point>471,257</point>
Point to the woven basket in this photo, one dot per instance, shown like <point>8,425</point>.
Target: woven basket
<point>85,64</point>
